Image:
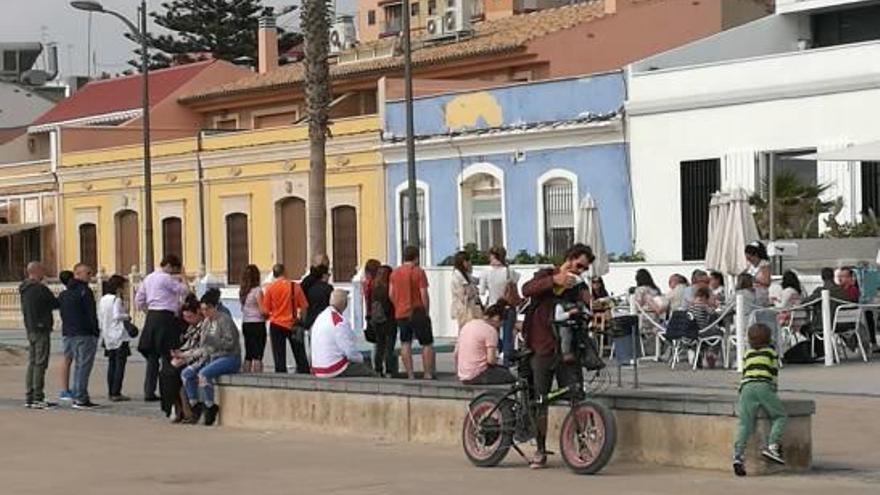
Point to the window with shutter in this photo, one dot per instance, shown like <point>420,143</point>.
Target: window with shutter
<point>292,236</point>
<point>172,237</point>
<point>237,252</point>
<point>88,245</point>
<point>127,242</point>
<point>405,219</point>
<point>558,216</point>
<point>699,180</point>
<point>345,243</point>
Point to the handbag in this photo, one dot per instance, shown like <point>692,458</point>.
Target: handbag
<point>370,332</point>
<point>511,292</point>
<point>131,329</point>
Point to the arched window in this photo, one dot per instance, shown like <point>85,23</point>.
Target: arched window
<point>481,206</point>
<point>237,251</point>
<point>88,245</point>
<point>557,191</point>
<point>403,220</point>
<point>345,242</point>
<point>292,236</point>
<point>127,242</point>
<point>172,237</point>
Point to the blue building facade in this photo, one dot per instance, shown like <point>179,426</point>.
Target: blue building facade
<point>509,166</point>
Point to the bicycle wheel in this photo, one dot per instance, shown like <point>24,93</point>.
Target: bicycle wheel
<point>587,437</point>
<point>486,435</point>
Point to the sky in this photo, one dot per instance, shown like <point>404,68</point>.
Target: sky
<point>55,21</point>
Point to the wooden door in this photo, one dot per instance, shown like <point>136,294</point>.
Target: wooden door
<point>88,245</point>
<point>127,242</point>
<point>345,243</point>
<point>292,236</point>
<point>172,237</point>
<point>237,250</point>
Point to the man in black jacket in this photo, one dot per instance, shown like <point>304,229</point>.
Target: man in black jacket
<point>79,321</point>
<point>37,303</point>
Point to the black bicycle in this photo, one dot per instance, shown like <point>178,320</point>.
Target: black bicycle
<point>497,421</point>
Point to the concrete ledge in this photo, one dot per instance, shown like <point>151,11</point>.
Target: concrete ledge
<point>686,430</point>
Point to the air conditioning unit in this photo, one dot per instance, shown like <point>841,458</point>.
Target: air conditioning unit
<point>434,26</point>
<point>457,17</point>
<point>342,34</point>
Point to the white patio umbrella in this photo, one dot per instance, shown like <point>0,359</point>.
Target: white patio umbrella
<point>713,243</point>
<point>739,230</point>
<point>589,232</point>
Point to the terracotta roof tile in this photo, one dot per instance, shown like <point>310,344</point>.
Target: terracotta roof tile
<point>489,37</point>
<point>120,94</point>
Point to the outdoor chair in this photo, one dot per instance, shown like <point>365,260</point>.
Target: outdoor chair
<point>790,327</point>
<point>712,336</point>
<point>847,323</point>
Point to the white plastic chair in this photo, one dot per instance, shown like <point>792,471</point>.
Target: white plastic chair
<point>847,314</point>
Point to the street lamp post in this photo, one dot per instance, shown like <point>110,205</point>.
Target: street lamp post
<point>139,35</point>
<point>412,191</point>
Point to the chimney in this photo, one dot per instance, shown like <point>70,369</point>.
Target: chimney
<point>267,45</point>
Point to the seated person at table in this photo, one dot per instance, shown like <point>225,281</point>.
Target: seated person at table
<point>704,315</point>
<point>716,284</point>
<point>334,348</point>
<point>476,353</point>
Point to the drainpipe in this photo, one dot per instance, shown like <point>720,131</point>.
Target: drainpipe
<point>627,74</point>
<point>203,265</point>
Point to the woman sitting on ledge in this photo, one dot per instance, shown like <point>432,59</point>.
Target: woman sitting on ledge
<point>219,353</point>
<point>476,353</point>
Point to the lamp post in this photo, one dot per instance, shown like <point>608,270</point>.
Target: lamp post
<point>412,191</point>
<point>141,36</point>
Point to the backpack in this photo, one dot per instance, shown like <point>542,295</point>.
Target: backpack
<point>511,292</point>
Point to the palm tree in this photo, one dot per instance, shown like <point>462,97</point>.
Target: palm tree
<point>797,209</point>
<point>315,20</point>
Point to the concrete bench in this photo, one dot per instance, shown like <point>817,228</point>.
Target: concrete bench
<point>675,429</point>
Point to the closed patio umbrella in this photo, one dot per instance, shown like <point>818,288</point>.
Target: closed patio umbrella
<point>716,208</point>
<point>739,230</point>
<point>589,232</point>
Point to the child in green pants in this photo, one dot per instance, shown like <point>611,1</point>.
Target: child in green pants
<point>758,390</point>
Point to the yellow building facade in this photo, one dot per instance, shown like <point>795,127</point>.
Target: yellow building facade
<point>254,188</point>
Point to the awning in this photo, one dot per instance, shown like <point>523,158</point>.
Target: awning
<point>7,229</point>
<point>867,152</point>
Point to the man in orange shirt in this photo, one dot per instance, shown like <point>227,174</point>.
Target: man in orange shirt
<point>409,295</point>
<point>285,303</point>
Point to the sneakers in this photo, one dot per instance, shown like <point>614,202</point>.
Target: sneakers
<point>538,461</point>
<point>86,406</point>
<point>41,404</point>
<point>29,405</point>
<point>739,466</point>
<point>773,453</point>
<point>119,398</point>
<point>211,415</point>
<point>65,396</point>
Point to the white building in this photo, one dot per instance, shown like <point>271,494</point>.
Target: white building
<point>712,114</point>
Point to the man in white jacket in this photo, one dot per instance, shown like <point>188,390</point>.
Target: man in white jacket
<point>334,347</point>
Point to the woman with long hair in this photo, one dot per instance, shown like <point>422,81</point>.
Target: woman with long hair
<point>113,317</point>
<point>465,293</point>
<point>382,319</point>
<point>792,295</point>
<point>647,295</point>
<point>371,268</point>
<point>253,326</point>
<point>759,269</point>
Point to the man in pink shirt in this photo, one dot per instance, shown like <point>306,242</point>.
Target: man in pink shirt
<point>160,295</point>
<point>476,354</point>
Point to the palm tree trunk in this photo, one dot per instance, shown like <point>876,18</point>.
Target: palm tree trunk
<point>315,19</point>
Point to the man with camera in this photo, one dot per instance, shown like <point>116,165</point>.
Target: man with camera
<point>546,289</point>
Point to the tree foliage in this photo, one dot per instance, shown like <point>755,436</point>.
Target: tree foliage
<point>796,210</point>
<point>202,29</point>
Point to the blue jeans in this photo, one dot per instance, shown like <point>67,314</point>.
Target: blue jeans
<point>84,348</point>
<point>221,365</point>
<point>507,339</point>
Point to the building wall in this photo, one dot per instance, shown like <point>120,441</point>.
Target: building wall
<point>244,172</point>
<point>600,172</point>
<point>732,111</point>
<point>635,31</point>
